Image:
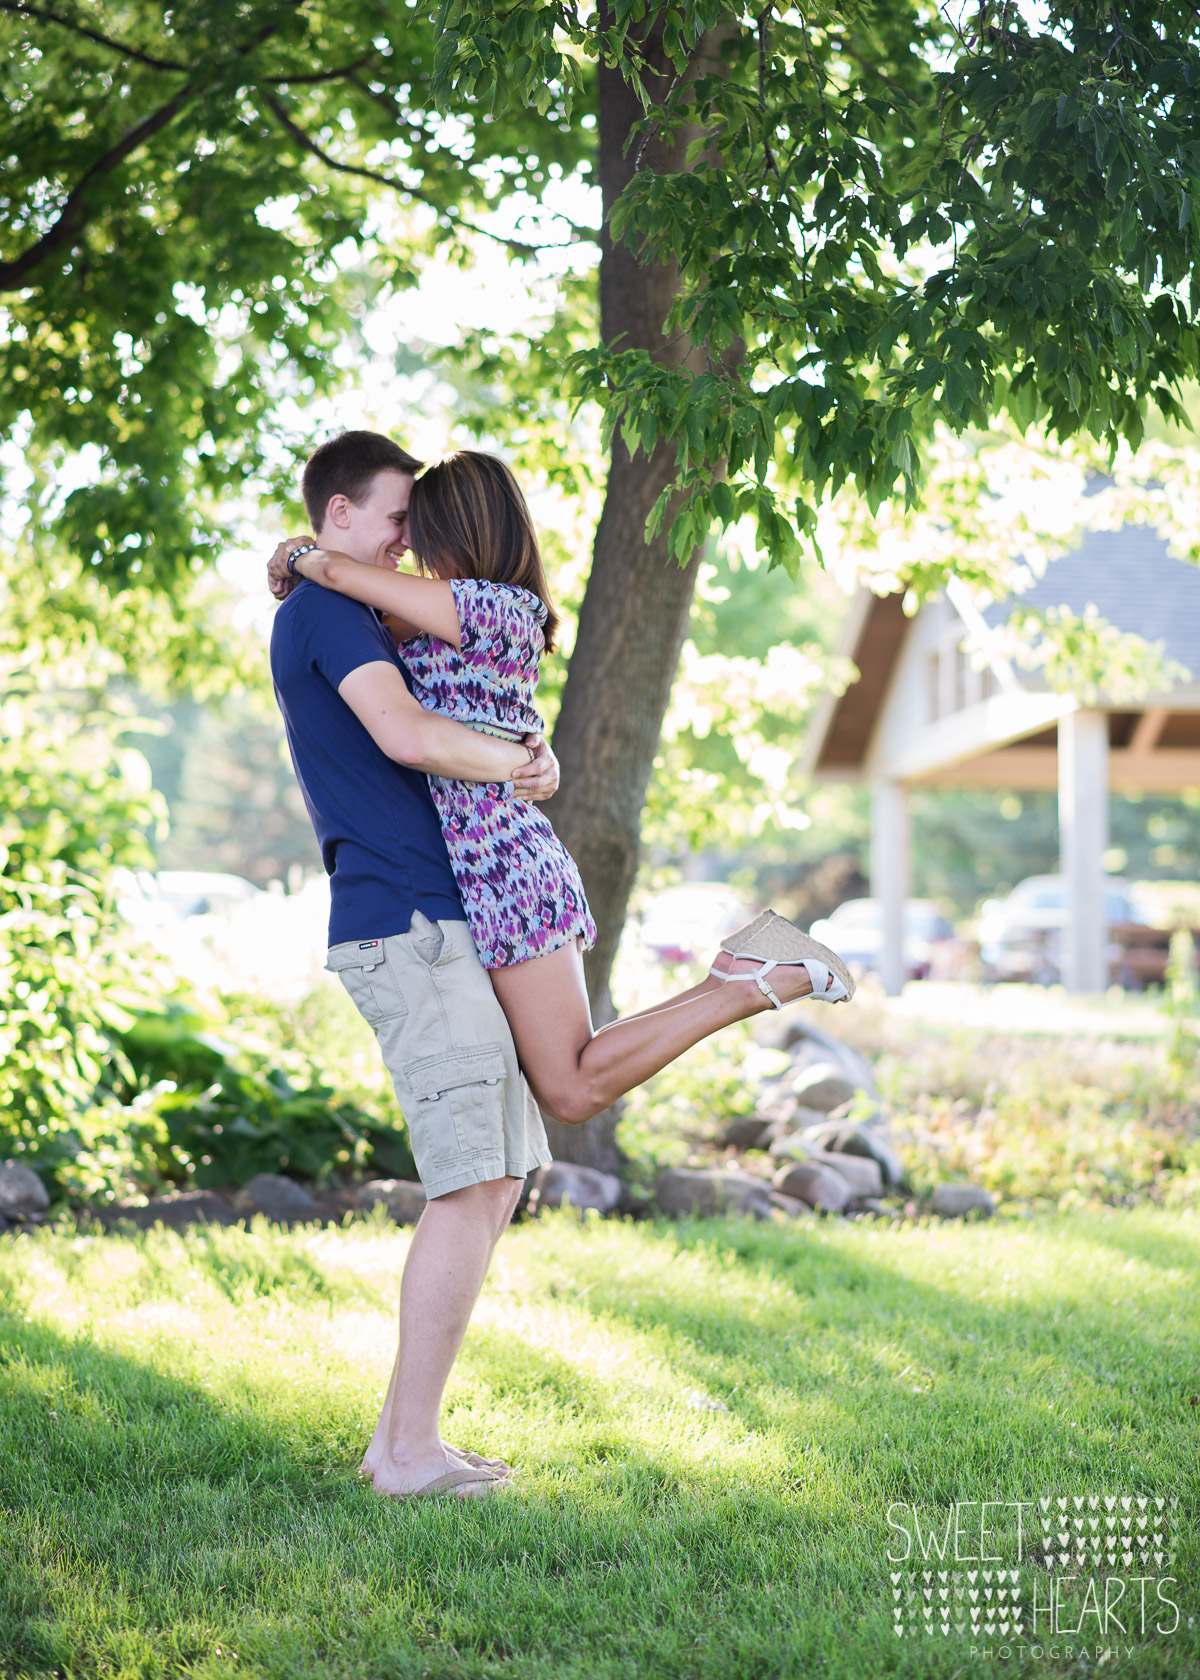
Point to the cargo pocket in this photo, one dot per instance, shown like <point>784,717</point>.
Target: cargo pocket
<point>367,975</point>
<point>460,1102</point>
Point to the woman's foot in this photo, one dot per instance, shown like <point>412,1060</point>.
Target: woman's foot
<point>789,983</point>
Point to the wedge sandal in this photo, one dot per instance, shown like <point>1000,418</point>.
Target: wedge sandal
<point>775,942</point>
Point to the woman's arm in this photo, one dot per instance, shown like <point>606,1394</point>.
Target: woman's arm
<point>420,603</point>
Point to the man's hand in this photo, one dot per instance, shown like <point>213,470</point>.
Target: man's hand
<point>280,581</point>
<point>539,778</point>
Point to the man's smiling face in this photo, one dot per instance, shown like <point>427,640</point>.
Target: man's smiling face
<point>374,530</point>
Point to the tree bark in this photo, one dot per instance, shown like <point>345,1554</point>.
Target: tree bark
<point>638,601</point>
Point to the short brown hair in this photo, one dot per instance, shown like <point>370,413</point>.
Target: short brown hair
<point>468,510</point>
<point>345,466</point>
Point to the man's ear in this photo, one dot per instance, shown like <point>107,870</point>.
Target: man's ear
<point>337,512</point>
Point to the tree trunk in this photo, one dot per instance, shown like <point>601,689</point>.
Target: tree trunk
<point>637,605</point>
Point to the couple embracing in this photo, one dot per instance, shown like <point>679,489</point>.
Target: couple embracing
<point>458,921</point>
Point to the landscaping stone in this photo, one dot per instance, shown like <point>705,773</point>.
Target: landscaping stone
<point>861,1174</point>
<point>562,1184</point>
<point>815,1184</point>
<point>870,1204</point>
<point>404,1199</point>
<point>861,1110</point>
<point>813,1043</point>
<point>745,1132</point>
<point>21,1191</point>
<point>680,1191</point>
<point>791,1205</point>
<point>281,1199</point>
<point>823,1087</point>
<point>175,1212</point>
<point>865,1140</point>
<point>783,1132</point>
<point>952,1201</point>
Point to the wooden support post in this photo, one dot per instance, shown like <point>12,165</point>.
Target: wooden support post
<point>889,877</point>
<point>1083,839</point>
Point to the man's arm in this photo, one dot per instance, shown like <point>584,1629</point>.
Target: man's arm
<point>400,727</point>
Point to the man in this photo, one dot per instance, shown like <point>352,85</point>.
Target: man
<point>361,745</point>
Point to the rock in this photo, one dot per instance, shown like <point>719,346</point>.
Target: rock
<point>404,1198</point>
<point>175,1212</point>
<point>862,1175</point>
<point>870,1204</point>
<point>21,1191</point>
<point>828,1047</point>
<point>952,1201</point>
<point>823,1087</point>
<point>861,1110</point>
<point>784,1131</point>
<point>3,1224</point>
<point>679,1192</point>
<point>745,1132</point>
<point>865,1140</point>
<point>563,1184</point>
<point>819,1186</point>
<point>281,1199</point>
<point>791,1205</point>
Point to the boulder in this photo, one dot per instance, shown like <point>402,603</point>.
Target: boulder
<point>952,1201</point>
<point>175,1212</point>
<point>781,1132</point>
<point>812,1043</point>
<point>563,1184</point>
<point>861,1110</point>
<point>823,1086</point>
<point>21,1191</point>
<point>679,1192</point>
<point>792,1206</point>
<point>870,1204</point>
<point>862,1175</point>
<point>815,1184</point>
<point>865,1140</point>
<point>745,1132</point>
<point>281,1199</point>
<point>403,1198</point>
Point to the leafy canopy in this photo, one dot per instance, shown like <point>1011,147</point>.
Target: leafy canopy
<point>906,214</point>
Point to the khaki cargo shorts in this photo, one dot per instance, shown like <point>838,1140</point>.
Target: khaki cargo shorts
<point>447,1045</point>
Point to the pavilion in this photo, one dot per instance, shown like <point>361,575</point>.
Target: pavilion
<point>920,714</point>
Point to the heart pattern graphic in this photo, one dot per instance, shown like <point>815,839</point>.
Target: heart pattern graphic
<point>1088,1534</point>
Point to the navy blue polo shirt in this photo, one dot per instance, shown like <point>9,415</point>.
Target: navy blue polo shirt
<point>379,833</point>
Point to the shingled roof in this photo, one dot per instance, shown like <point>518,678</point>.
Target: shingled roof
<point>1133,583</point>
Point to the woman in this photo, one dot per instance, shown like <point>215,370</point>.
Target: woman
<point>472,630</point>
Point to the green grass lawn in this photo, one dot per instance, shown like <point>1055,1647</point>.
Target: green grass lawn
<point>713,1422</point>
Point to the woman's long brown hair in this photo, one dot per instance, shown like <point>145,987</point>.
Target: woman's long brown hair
<point>467,516</point>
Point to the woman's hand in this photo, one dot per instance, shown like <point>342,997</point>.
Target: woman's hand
<point>281,581</point>
<point>538,779</point>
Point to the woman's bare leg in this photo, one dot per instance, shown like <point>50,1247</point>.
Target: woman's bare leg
<point>576,1072</point>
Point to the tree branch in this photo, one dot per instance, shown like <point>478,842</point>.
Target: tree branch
<point>519,246</point>
<point>19,9</point>
<point>71,216</point>
<point>12,274</point>
<point>42,16</point>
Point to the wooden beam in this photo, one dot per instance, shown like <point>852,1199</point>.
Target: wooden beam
<point>1147,730</point>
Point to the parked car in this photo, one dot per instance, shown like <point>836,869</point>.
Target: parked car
<point>1020,937</point>
<point>855,932</point>
<point>686,922</point>
<point>173,895</point>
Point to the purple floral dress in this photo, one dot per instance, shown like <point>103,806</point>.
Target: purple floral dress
<point>520,887</point>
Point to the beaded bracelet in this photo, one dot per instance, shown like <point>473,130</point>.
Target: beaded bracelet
<point>308,548</point>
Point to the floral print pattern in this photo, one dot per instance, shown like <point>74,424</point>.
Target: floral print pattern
<point>520,888</point>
